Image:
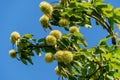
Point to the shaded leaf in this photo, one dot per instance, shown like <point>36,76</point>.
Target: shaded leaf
<point>30,60</point>
<point>78,63</point>
<point>38,52</point>
<point>41,40</point>
<point>23,60</point>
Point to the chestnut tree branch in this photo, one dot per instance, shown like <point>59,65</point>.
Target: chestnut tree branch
<point>104,24</point>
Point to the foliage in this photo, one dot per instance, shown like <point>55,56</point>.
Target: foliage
<point>96,63</point>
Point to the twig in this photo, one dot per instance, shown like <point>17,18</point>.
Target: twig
<point>105,25</point>
<point>38,46</point>
<point>94,72</point>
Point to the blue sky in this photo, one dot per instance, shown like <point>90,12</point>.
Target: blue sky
<point>23,16</point>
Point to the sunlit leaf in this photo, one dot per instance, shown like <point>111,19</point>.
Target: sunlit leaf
<point>78,34</point>
<point>117,75</point>
<point>115,64</point>
<point>28,36</point>
<point>96,2</point>
<point>104,40</point>
<point>107,56</point>
<point>116,53</point>
<point>84,5</point>
<point>117,15</point>
<point>106,9</point>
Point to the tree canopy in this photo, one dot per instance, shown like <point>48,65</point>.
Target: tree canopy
<point>75,60</point>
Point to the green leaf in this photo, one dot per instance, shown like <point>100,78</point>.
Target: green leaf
<point>92,49</point>
<point>104,49</point>
<point>117,75</point>
<point>84,5</point>
<point>31,53</point>
<point>73,4</point>
<point>41,40</point>
<point>107,56</point>
<point>88,56</point>
<point>74,72</point>
<point>65,14</point>
<point>55,16</point>
<point>72,78</point>
<point>117,15</point>
<point>101,42</point>
<point>64,43</point>
<point>118,40</point>
<point>111,21</point>
<point>116,53</point>
<point>106,9</point>
<point>117,11</point>
<point>38,52</point>
<point>97,2</point>
<point>66,35</point>
<point>30,60</point>
<point>50,49</point>
<point>115,64</point>
<point>79,64</point>
<point>110,77</point>
<point>75,18</point>
<point>78,34</point>
<point>82,41</point>
<point>28,36</point>
<point>76,68</point>
<point>108,12</point>
<point>23,61</point>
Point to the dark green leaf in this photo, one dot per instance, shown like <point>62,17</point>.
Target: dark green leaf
<point>111,21</point>
<point>72,78</point>
<point>30,60</point>
<point>31,53</point>
<point>73,4</point>
<point>38,52</point>
<point>41,40</point>
<point>79,64</point>
<point>23,60</point>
